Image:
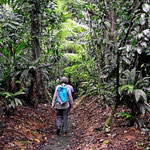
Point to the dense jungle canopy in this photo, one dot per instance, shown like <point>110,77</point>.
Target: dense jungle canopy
<point>102,47</point>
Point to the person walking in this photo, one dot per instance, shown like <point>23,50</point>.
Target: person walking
<point>62,109</point>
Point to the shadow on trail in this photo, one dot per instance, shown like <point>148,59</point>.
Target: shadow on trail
<point>60,142</point>
<point>84,119</point>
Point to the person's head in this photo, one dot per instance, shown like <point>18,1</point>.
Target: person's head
<point>64,80</point>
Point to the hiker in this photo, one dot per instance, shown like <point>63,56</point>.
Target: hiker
<point>71,88</point>
<point>62,109</point>
<point>72,93</point>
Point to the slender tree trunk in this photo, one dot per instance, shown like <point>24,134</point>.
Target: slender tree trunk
<point>106,47</point>
<point>122,44</point>
<point>112,18</point>
<point>37,94</point>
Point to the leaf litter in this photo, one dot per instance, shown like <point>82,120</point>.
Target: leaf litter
<point>34,128</point>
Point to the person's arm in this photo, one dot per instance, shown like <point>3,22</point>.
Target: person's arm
<point>70,97</point>
<point>54,97</point>
<point>72,91</point>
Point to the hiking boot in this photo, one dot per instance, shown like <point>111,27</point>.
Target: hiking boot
<point>58,132</point>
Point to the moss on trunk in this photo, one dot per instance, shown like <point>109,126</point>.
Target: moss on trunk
<point>108,121</point>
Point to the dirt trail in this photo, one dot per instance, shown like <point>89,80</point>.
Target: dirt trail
<point>34,129</point>
<point>84,119</point>
<point>60,142</point>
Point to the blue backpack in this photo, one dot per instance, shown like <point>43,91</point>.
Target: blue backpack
<point>62,95</point>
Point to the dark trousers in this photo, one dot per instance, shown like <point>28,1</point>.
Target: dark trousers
<point>62,118</point>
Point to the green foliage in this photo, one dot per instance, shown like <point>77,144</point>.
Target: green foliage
<point>11,100</point>
<point>137,96</point>
<point>148,147</point>
<point>126,115</point>
<point>81,40</point>
<point>140,93</point>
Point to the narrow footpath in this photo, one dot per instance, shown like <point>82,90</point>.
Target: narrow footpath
<point>33,128</point>
<point>86,130</point>
<point>61,142</point>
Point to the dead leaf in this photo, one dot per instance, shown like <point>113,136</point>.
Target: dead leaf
<point>37,140</point>
<point>106,142</point>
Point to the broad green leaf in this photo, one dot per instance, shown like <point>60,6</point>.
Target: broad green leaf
<point>7,94</point>
<point>19,48</point>
<point>147,106</point>
<point>125,115</point>
<point>146,7</point>
<point>142,109</point>
<point>129,48</point>
<point>147,33</point>
<point>18,82</point>
<point>16,23</point>
<point>107,23</point>
<point>142,19</point>
<point>143,44</point>
<point>10,25</point>
<point>18,101</point>
<point>140,93</point>
<point>148,89</point>
<point>126,60</point>
<point>132,75</point>
<point>121,48</point>
<point>2,2</point>
<point>32,67</point>
<point>130,87</point>
<point>12,104</point>
<point>140,35</point>
<point>133,42</point>
<point>139,50</point>
<point>19,92</point>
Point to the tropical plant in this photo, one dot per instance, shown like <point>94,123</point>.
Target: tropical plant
<point>133,94</point>
<point>102,46</point>
<point>10,101</point>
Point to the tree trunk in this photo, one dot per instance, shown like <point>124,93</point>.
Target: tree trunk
<point>110,50</point>
<point>38,88</point>
<point>113,111</point>
<point>109,35</point>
